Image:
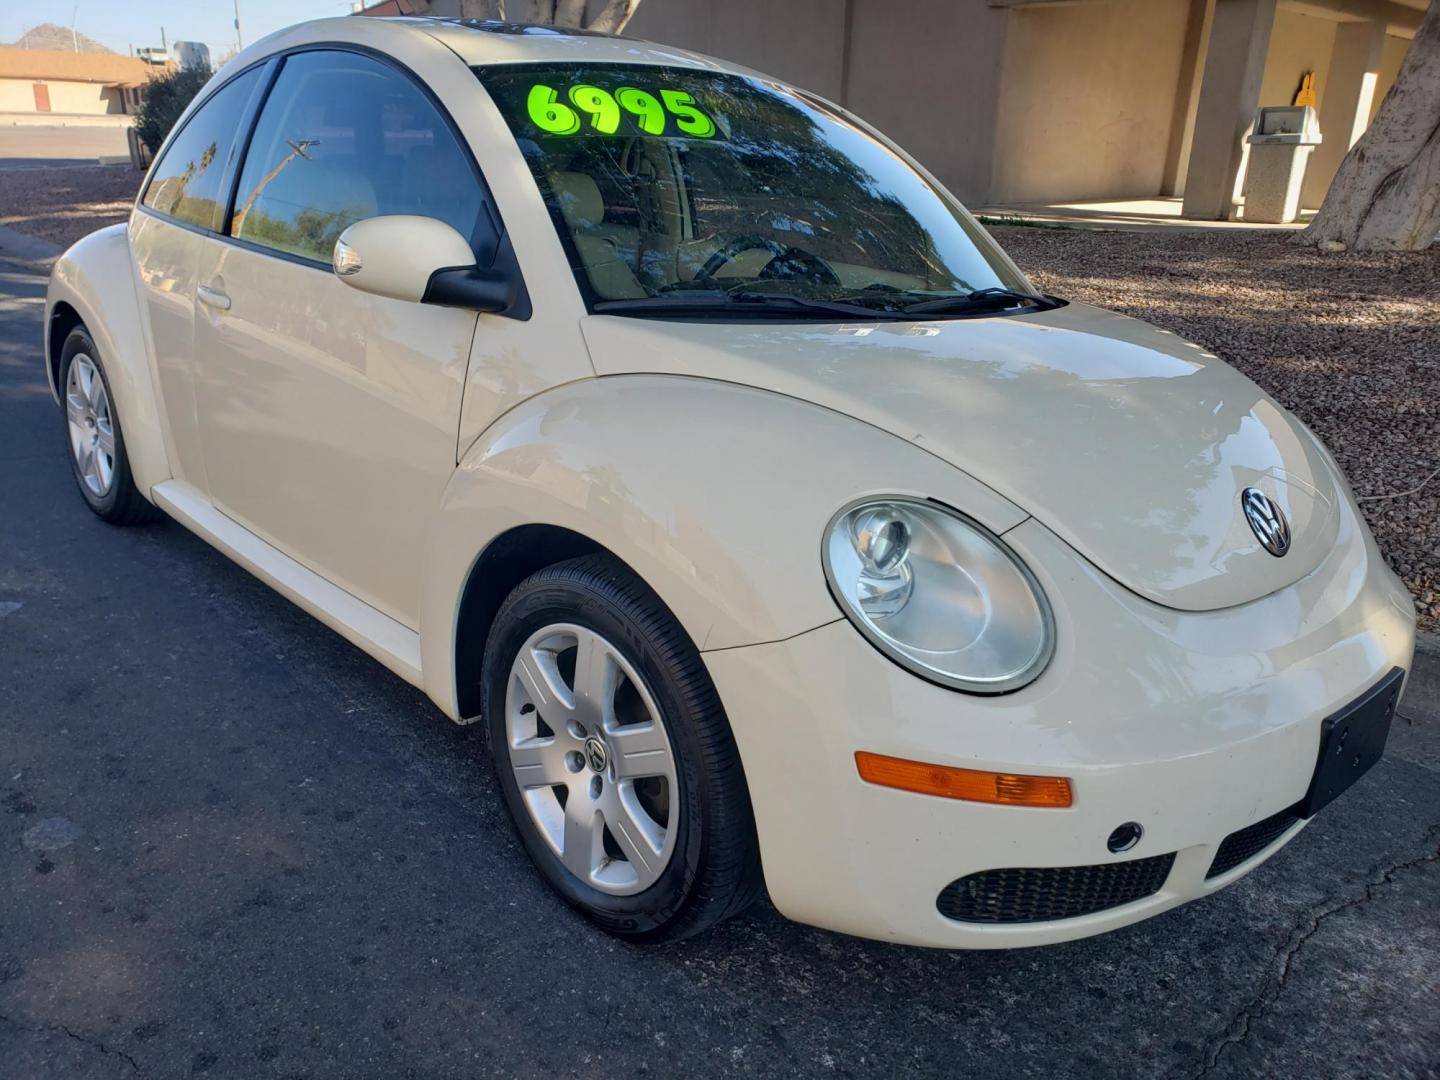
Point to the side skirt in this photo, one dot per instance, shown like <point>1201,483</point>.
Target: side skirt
<point>393,644</point>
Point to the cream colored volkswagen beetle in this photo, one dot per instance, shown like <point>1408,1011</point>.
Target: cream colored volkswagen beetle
<point>676,425</point>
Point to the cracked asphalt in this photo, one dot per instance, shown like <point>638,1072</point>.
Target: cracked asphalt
<point>231,845</point>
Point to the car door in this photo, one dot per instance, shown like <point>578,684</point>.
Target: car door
<point>183,200</point>
<point>328,416</point>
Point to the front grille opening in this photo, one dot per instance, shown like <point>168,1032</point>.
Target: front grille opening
<point>1244,844</point>
<point>1027,895</point>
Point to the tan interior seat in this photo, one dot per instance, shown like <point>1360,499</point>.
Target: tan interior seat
<point>605,248</point>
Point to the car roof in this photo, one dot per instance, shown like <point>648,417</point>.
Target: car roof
<point>482,42</point>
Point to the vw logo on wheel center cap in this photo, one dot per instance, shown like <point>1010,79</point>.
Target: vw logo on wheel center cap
<point>595,754</point>
<point>1267,521</point>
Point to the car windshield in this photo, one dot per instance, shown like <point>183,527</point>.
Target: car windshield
<point>679,190</point>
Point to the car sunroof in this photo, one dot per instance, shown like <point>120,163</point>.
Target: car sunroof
<point>495,26</point>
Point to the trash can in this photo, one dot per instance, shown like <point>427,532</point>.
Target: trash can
<point>139,152</point>
<point>1281,141</point>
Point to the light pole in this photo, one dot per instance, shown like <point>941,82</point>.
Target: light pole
<point>239,41</point>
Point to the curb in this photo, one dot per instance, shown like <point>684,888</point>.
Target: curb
<point>1427,645</point>
<point>66,120</point>
<point>26,251</point>
<point>1422,686</point>
<point>29,251</point>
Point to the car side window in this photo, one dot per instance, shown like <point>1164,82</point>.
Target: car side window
<point>343,137</point>
<point>185,184</point>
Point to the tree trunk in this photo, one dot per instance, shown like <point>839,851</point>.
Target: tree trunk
<point>570,13</point>
<point>469,9</point>
<point>614,16</point>
<point>1386,193</point>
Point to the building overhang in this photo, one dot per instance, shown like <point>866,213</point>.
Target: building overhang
<point>1400,18</point>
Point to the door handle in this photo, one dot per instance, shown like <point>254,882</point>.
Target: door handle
<point>214,297</point>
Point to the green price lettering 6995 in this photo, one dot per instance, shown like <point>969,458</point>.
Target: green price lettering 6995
<point>598,110</point>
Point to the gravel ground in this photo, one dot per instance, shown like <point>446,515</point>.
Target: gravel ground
<point>1349,342</point>
<point>62,205</point>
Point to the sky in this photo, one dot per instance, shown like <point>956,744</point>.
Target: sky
<point>122,23</point>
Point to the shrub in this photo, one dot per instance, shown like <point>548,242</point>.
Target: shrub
<point>165,99</point>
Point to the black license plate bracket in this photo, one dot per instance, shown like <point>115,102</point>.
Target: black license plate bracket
<point>1351,741</point>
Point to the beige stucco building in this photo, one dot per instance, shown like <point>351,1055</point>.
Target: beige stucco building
<point>38,81</point>
<point>1035,101</point>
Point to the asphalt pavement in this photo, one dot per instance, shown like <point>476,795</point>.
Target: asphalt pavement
<point>231,845</point>
<point>37,146</point>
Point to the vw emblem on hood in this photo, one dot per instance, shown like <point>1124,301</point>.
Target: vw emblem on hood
<point>1267,521</point>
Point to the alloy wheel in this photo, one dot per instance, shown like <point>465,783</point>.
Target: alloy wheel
<point>92,432</point>
<point>592,759</point>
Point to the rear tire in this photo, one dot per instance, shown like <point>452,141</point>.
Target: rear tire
<point>674,851</point>
<point>94,439</point>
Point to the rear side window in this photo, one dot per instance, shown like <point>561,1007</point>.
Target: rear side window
<point>186,182</point>
<point>343,137</point>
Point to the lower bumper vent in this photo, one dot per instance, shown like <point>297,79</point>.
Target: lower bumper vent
<point>1026,895</point>
<point>1246,843</point>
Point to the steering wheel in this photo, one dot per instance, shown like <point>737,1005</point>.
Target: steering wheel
<point>788,262</point>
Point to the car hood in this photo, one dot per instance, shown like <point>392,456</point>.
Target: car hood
<point>1129,442</point>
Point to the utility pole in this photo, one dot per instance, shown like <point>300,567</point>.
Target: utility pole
<point>239,41</point>
<point>74,40</point>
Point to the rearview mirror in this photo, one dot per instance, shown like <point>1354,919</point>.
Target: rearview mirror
<point>419,259</point>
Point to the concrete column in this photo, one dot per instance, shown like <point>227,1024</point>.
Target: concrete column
<point>1187,90</point>
<point>1346,98</point>
<point>1229,92</point>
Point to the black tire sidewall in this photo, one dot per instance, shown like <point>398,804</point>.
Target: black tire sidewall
<point>529,609</point>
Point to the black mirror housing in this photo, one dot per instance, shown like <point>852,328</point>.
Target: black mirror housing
<point>499,290</point>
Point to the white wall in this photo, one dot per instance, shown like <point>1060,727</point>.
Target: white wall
<point>800,41</point>
<point>18,95</point>
<point>1394,56</point>
<point>1298,43</point>
<point>923,71</point>
<point>1088,100</point>
<point>927,73</point>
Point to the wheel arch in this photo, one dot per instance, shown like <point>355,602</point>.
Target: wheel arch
<point>506,561</point>
<point>715,495</point>
<point>63,319</point>
<point>93,284</point>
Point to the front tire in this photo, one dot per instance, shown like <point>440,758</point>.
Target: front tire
<point>614,756</point>
<point>93,436</point>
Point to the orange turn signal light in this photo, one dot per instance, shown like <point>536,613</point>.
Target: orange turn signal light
<point>972,785</point>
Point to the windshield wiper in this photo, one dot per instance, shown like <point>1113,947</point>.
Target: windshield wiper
<point>980,300</point>
<point>742,303</point>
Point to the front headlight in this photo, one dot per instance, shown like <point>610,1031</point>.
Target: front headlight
<point>939,594</point>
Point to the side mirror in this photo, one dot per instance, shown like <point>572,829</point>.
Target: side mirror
<point>419,259</point>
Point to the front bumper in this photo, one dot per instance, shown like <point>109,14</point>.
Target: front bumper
<point>1195,725</point>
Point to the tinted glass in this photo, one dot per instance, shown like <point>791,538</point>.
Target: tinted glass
<point>186,180</point>
<point>680,184</point>
<point>343,137</point>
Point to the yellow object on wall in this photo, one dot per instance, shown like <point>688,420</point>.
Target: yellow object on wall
<point>1306,94</point>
